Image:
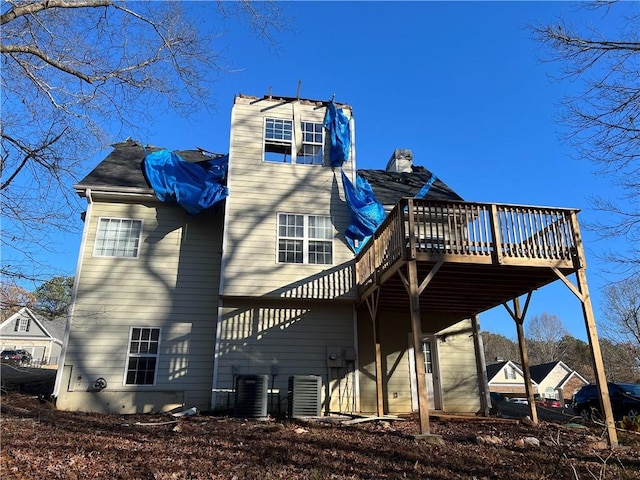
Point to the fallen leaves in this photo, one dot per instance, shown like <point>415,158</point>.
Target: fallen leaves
<point>40,442</point>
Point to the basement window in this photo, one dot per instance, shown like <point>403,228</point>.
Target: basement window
<point>142,358</point>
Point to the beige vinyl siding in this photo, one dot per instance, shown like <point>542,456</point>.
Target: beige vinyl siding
<point>258,191</point>
<point>551,381</point>
<point>294,337</point>
<point>457,369</point>
<point>455,361</point>
<point>173,285</point>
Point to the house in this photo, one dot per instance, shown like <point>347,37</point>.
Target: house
<point>549,380</point>
<point>557,380</point>
<point>289,268</point>
<point>40,337</point>
<point>507,379</point>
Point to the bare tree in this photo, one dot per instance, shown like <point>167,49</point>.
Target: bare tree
<point>75,76</point>
<point>603,120</point>
<point>621,311</point>
<point>544,333</point>
<point>498,346</point>
<point>13,298</point>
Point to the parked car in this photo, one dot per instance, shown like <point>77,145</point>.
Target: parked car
<point>549,402</point>
<point>26,356</point>
<point>11,356</point>
<point>625,400</point>
<point>522,401</point>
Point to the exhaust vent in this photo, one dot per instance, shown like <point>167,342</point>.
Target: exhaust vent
<point>250,400</point>
<point>304,396</point>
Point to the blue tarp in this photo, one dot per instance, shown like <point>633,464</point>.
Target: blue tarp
<point>338,125</point>
<point>425,189</point>
<point>193,186</point>
<point>367,213</point>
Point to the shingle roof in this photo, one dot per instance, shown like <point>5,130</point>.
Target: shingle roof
<point>123,166</point>
<point>389,187</point>
<point>540,372</point>
<point>494,368</point>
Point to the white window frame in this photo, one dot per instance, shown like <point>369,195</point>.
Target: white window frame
<point>306,238</point>
<point>98,245</point>
<point>136,355</point>
<point>23,325</point>
<point>309,132</point>
<point>509,372</point>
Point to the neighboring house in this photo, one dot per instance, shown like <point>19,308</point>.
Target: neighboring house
<point>549,380</point>
<point>507,379</point>
<point>42,338</point>
<point>173,310</point>
<point>557,380</point>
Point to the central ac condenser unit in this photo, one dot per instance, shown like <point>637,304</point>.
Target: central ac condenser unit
<point>250,400</point>
<point>304,396</point>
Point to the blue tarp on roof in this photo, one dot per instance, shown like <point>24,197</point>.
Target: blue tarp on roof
<point>367,213</point>
<point>338,125</point>
<point>193,186</point>
<point>425,189</point>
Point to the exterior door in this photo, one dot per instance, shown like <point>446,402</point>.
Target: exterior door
<point>430,356</point>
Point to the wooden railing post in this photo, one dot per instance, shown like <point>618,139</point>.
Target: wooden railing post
<point>495,233</point>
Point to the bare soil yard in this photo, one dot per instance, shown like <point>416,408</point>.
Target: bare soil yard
<point>39,442</point>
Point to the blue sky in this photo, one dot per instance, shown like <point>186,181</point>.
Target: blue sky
<point>459,83</point>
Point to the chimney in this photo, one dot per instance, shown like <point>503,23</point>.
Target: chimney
<point>400,161</point>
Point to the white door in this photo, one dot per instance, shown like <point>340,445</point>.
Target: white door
<point>430,356</point>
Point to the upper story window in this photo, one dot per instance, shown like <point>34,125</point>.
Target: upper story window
<point>280,147</point>
<point>305,239</point>
<point>118,237</point>
<point>509,372</point>
<point>23,325</point>
<point>142,358</point>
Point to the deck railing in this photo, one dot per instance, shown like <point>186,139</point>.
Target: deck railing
<point>468,232</point>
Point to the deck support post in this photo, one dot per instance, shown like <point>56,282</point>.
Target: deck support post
<point>518,316</point>
<point>483,381</point>
<point>416,329</point>
<point>372,305</point>
<point>582,292</point>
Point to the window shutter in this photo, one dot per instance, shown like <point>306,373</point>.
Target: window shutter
<point>15,327</point>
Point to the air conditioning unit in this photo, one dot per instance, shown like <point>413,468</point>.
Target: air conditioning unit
<point>250,399</point>
<point>304,395</point>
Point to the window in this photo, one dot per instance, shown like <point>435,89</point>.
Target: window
<point>312,140</point>
<point>23,325</point>
<point>509,372</point>
<point>279,142</point>
<point>305,239</point>
<point>142,359</point>
<point>118,237</point>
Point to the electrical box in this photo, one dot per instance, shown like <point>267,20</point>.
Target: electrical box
<point>334,357</point>
<point>349,354</point>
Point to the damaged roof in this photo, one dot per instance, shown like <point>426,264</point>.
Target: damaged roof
<point>123,166</point>
<point>389,187</point>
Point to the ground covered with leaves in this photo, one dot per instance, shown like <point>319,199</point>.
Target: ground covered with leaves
<point>40,442</point>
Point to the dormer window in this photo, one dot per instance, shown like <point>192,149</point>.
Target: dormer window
<point>283,145</point>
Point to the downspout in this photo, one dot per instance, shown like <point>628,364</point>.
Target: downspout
<point>74,293</point>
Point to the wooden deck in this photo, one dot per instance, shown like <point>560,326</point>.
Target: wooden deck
<point>485,253</point>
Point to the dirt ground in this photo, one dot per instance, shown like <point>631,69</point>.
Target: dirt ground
<point>39,442</point>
